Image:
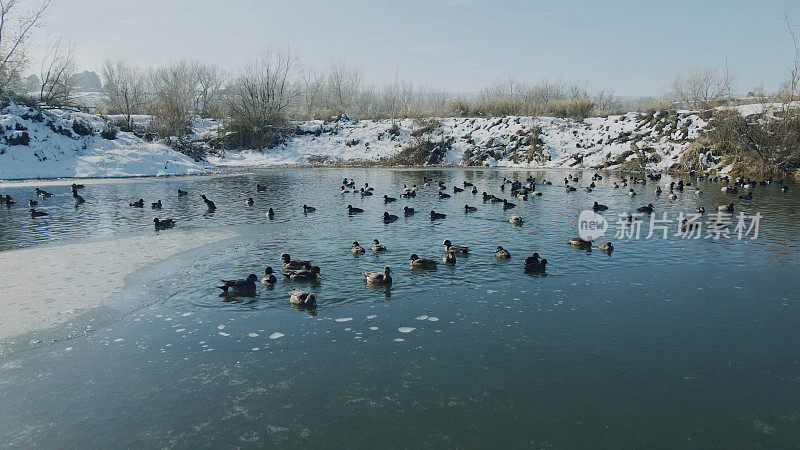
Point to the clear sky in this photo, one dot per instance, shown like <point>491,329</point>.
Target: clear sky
<point>632,47</point>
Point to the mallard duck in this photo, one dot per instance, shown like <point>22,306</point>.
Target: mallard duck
<point>308,209</point>
<point>408,211</point>
<point>422,263</point>
<point>246,287</point>
<point>376,278</point>
<point>580,243</point>
<point>357,249</point>
<point>353,210</point>
<point>290,264</point>
<point>302,298</point>
<point>534,264</point>
<point>156,205</point>
<point>434,215</point>
<point>645,209</point>
<point>507,204</point>
<point>515,220</point>
<point>269,277</point>
<point>387,199</point>
<point>599,207</point>
<point>163,224</point>
<point>389,218</point>
<point>468,208</point>
<point>449,258</point>
<point>250,201</point>
<point>138,204</point>
<point>35,213</point>
<point>726,208</point>
<point>182,193</point>
<point>607,247</point>
<point>270,214</point>
<point>377,247</point>
<point>455,248</point>
<point>209,204</point>
<point>303,274</point>
<point>502,253</point>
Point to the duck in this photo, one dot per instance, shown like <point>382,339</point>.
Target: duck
<point>35,213</point>
<point>163,224</point>
<point>79,200</point>
<point>784,189</point>
<point>32,203</point>
<point>455,248</point>
<point>353,210</point>
<point>42,193</point>
<point>468,208</point>
<point>357,249</point>
<point>75,187</point>
<point>748,196</point>
<point>156,205</point>
<point>270,213</point>
<point>606,247</point>
<point>269,277</point>
<point>182,193</point>
<point>209,204</point>
<point>250,201</point>
<point>534,264</point>
<point>631,192</point>
<point>457,189</point>
<point>246,286</point>
<point>302,274</point>
<point>580,243</point>
<point>726,208</point>
<point>672,196</point>
<point>260,188</point>
<point>434,215</point>
<point>616,186</point>
<point>646,209</point>
<point>308,209</point>
<point>365,193</point>
<point>449,258</point>
<point>368,188</point>
<point>570,188</point>
<point>474,190</point>
<point>138,204</point>
<point>290,264</point>
<point>507,204</point>
<point>377,247</point>
<point>502,253</point>
<point>301,298</point>
<point>407,211</point>
<point>379,278</point>
<point>658,190</point>
<point>422,263</point>
<point>468,184</point>
<point>686,225</point>
<point>599,207</point>
<point>387,199</point>
<point>516,220</point>
<point>389,218</point>
<point>443,195</point>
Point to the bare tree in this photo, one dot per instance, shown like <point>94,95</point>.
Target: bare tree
<point>343,85</point>
<point>703,88</point>
<point>16,23</point>
<point>210,80</point>
<point>124,88</point>
<point>173,92</point>
<point>313,84</point>
<point>57,82</point>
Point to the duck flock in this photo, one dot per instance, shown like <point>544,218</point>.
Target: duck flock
<point>304,271</point>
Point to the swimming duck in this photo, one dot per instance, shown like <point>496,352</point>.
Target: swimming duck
<point>389,218</point>
<point>534,264</point>
<point>454,248</point>
<point>42,193</point>
<point>449,258</point>
<point>357,249</point>
<point>658,190</point>
<point>302,298</point>
<point>474,190</point>
<point>368,188</point>
<point>209,204</point>
<point>580,243</point>
<point>507,204</point>
<point>260,188</point>
<point>468,184</point>
<point>246,287</point>
<point>75,187</point>
<point>784,189</point>
<point>302,274</point>
<point>646,209</point>
<point>365,193</point>
<point>376,278</point>
<point>599,207</point>
<point>387,199</point>
<point>269,277</point>
<point>79,200</point>
<point>616,186</point>
<point>353,210</point>
<point>271,213</point>
<point>290,264</point>
<point>408,211</point>
<point>748,196</point>
<point>607,247</point>
<point>32,203</point>
<point>182,193</point>
<point>308,209</point>
<point>672,196</point>
<point>570,188</point>
<point>700,210</point>
<point>156,205</point>
<point>443,195</point>
<point>726,208</point>
<point>516,220</point>
<point>138,204</point>
<point>377,247</point>
<point>588,189</point>
<point>35,213</point>
<point>502,253</point>
<point>250,201</point>
<point>686,225</point>
<point>434,215</point>
<point>457,189</point>
<point>468,208</point>
<point>163,224</point>
<point>631,192</point>
<point>422,263</point>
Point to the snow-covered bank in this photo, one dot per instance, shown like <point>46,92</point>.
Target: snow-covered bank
<point>59,143</point>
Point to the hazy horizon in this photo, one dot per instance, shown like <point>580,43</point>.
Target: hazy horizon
<point>632,48</point>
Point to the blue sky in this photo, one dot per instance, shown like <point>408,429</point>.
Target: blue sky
<point>632,47</point>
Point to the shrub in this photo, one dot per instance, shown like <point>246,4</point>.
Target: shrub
<point>81,128</point>
<point>577,108</point>
<point>19,139</point>
<point>109,132</point>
